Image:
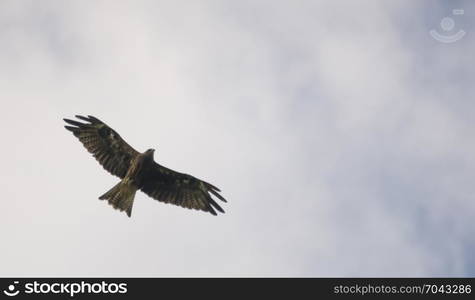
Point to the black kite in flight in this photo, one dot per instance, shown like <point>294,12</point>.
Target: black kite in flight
<point>139,171</point>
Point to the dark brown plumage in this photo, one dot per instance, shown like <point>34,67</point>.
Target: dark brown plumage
<point>139,171</point>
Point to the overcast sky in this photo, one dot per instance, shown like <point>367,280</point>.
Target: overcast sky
<point>341,133</point>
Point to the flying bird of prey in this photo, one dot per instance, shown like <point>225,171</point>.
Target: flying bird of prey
<point>139,171</point>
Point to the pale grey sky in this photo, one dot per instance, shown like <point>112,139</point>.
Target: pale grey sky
<point>340,132</point>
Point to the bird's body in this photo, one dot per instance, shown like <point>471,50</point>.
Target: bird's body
<point>139,171</point>
<point>139,168</point>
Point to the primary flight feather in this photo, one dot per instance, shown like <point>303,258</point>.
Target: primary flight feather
<point>139,171</point>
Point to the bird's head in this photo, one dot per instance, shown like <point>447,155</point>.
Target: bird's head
<point>150,152</point>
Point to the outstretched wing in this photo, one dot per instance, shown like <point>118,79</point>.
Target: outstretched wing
<point>180,189</point>
<point>109,149</point>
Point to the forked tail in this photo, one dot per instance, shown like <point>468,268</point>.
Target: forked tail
<point>121,196</point>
